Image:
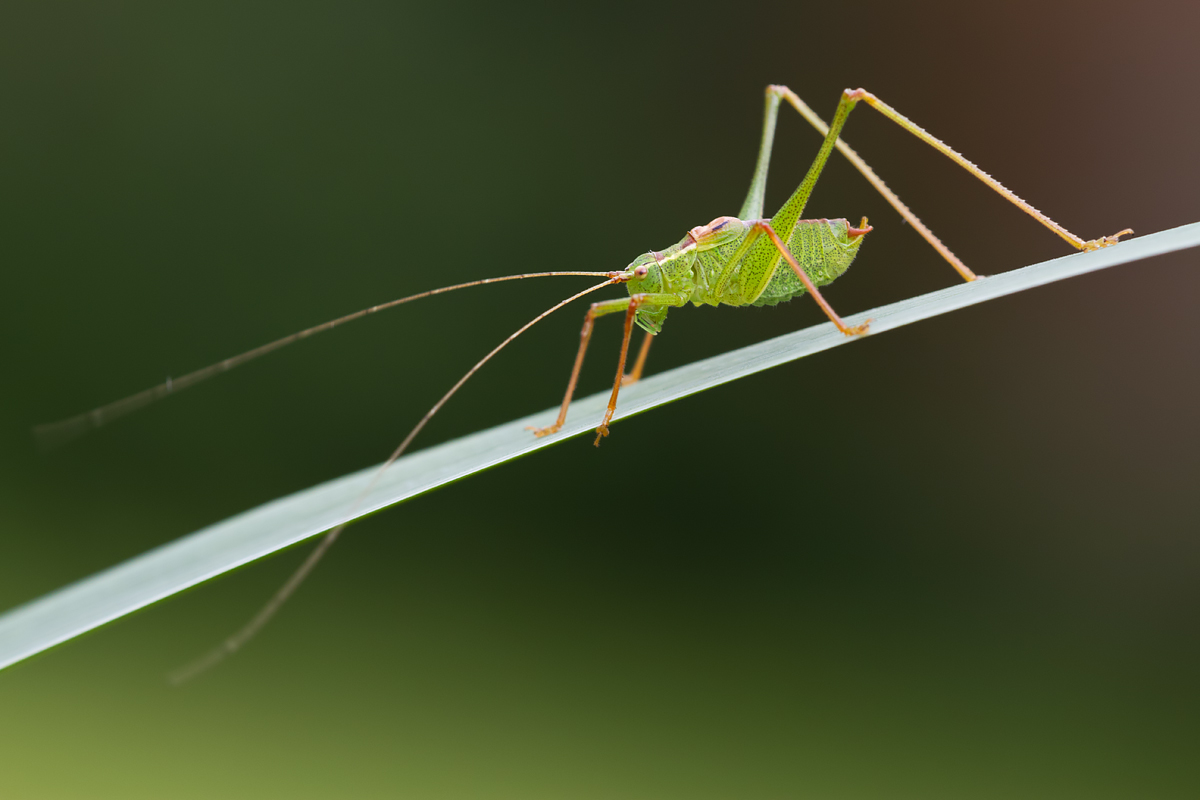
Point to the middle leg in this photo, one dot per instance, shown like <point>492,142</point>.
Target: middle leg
<point>636,375</point>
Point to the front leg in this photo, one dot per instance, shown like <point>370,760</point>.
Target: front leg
<point>585,336</point>
<point>630,306</point>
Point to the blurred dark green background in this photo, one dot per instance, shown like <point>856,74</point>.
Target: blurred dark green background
<point>958,560</point>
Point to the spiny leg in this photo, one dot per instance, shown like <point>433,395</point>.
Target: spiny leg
<point>753,205</point>
<point>776,92</point>
<point>916,130</point>
<point>633,377</point>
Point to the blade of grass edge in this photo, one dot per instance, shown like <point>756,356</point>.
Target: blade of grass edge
<point>197,557</point>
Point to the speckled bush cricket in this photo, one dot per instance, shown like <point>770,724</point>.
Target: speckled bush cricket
<point>736,261</point>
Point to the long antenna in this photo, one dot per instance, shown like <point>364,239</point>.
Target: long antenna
<point>235,642</point>
<point>56,434</point>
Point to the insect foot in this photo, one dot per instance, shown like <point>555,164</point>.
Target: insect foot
<point>858,330</point>
<point>601,432</point>
<point>1107,241</point>
<point>540,432</point>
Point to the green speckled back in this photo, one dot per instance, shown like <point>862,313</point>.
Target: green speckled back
<point>824,250</point>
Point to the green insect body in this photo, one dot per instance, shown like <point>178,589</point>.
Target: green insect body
<point>706,267</point>
<point>730,262</point>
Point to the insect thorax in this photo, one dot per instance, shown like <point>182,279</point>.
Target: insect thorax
<point>669,272</point>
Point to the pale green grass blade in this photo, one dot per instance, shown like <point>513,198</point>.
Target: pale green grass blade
<point>84,605</point>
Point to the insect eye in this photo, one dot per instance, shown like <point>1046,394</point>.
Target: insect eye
<point>641,272</point>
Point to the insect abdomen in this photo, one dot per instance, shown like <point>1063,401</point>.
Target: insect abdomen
<point>824,249</point>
